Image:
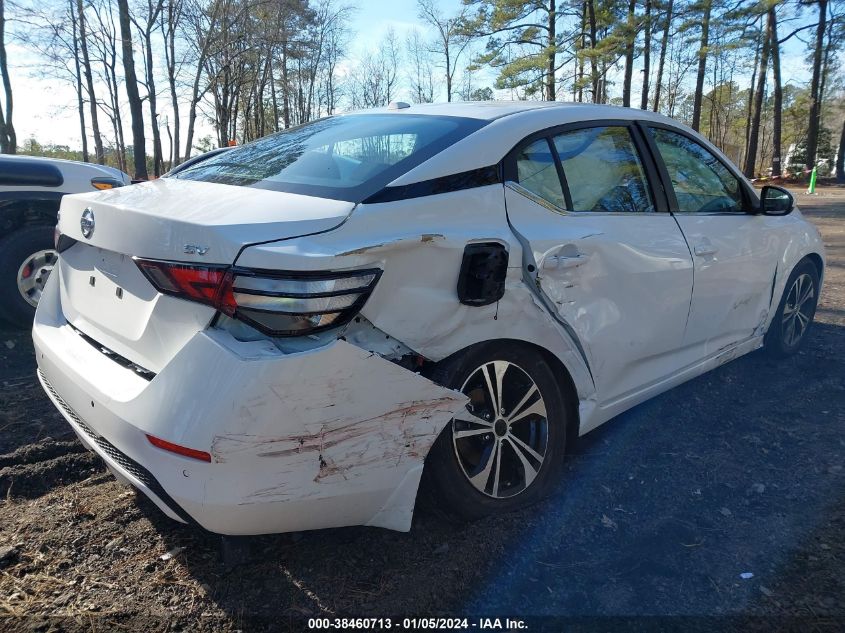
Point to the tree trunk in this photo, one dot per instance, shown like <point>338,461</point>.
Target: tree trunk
<point>89,82</point>
<point>192,107</point>
<point>831,25</point>
<point>8,138</point>
<point>815,97</point>
<point>754,134</point>
<point>551,54</point>
<point>136,109</point>
<point>151,99</point>
<point>630,37</point>
<point>646,55</point>
<point>80,102</point>
<point>173,12</point>
<point>840,157</point>
<point>777,115</point>
<point>750,107</point>
<point>594,75</point>
<point>111,79</point>
<point>170,139</point>
<point>664,43</point>
<point>702,65</point>
<point>285,86</point>
<point>582,47</point>
<point>447,52</point>
<point>274,100</point>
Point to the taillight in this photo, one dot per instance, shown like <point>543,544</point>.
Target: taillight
<point>276,303</point>
<point>205,284</point>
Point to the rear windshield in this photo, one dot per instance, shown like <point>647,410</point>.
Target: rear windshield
<point>343,157</point>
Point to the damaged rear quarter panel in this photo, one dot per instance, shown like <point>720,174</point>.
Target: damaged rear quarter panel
<point>419,243</point>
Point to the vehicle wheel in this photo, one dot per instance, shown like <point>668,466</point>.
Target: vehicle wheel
<point>795,312</point>
<point>506,450</point>
<point>26,260</point>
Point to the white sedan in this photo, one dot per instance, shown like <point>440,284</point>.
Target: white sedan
<point>294,333</point>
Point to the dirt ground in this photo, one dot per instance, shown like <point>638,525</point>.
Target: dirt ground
<point>660,513</point>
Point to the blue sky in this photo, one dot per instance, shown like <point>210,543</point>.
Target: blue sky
<point>46,108</point>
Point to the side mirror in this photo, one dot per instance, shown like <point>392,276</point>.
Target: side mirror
<point>776,201</point>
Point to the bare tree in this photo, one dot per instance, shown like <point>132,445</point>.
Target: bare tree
<point>135,106</point>
<point>171,17</point>
<point>53,33</point>
<point>104,51</point>
<point>77,76</point>
<point>89,83</point>
<point>198,28</point>
<point>420,71</point>
<point>146,28</point>
<point>375,81</point>
<point>8,139</point>
<point>452,38</point>
<point>333,23</point>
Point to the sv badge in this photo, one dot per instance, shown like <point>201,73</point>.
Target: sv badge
<point>194,249</point>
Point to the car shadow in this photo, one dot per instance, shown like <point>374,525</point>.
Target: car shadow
<point>659,513</point>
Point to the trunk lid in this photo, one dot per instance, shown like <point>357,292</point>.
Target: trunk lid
<point>106,297</point>
<point>157,219</point>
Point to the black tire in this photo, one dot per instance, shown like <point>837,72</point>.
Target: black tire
<point>15,248</point>
<point>779,342</point>
<point>447,485</point>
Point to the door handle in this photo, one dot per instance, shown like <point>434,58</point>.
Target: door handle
<point>705,249</point>
<point>560,262</point>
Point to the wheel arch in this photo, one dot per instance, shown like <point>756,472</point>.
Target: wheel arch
<point>561,372</point>
<point>817,261</point>
<point>27,210</point>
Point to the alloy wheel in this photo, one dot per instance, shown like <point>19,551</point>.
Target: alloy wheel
<point>798,309</point>
<point>501,440</point>
<point>33,274</point>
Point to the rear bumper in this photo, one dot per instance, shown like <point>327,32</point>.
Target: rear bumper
<point>325,438</point>
<point>122,466</point>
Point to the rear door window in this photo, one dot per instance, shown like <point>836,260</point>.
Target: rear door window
<point>603,171</point>
<point>536,171</point>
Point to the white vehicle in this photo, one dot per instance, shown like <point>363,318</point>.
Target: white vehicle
<point>31,189</point>
<point>288,335</point>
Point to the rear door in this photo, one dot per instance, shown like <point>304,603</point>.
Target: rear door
<point>735,252</point>
<point>609,257</point>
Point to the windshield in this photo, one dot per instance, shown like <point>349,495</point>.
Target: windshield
<point>343,157</point>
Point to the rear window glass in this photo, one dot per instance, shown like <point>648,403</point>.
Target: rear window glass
<point>344,157</point>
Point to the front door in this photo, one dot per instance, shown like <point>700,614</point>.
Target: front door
<point>617,270</point>
<point>735,252</point>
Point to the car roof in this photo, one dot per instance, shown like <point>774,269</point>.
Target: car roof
<point>508,123</point>
<point>492,110</point>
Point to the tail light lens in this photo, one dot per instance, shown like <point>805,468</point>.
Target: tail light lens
<point>276,303</point>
